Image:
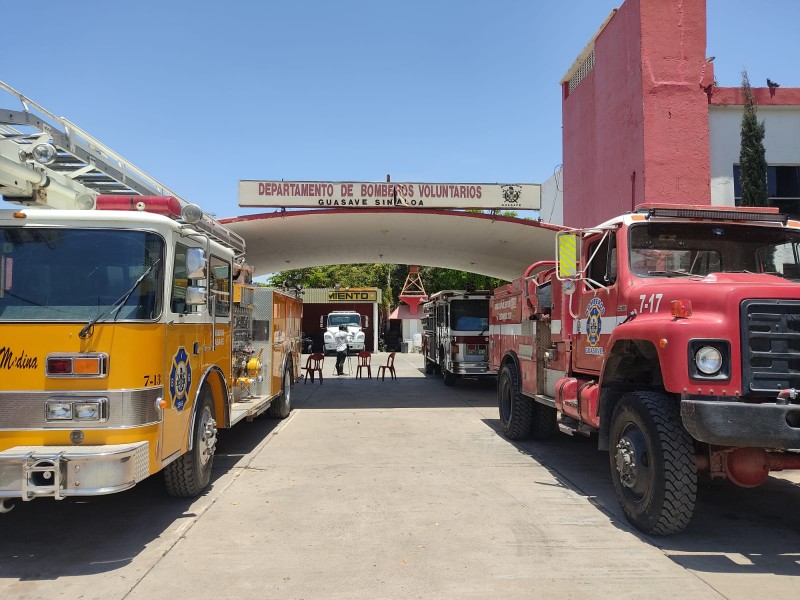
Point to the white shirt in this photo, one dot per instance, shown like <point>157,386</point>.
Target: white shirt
<point>340,337</point>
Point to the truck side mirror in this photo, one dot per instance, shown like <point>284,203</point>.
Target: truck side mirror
<point>568,251</point>
<point>195,263</point>
<point>322,322</point>
<point>196,295</point>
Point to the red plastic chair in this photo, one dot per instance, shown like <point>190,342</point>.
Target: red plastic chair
<point>314,364</point>
<point>364,360</point>
<point>389,366</point>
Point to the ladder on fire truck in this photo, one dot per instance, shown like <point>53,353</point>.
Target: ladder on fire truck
<point>50,162</point>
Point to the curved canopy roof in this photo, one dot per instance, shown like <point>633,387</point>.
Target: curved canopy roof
<point>501,247</point>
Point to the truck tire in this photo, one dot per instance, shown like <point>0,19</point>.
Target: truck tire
<point>429,367</point>
<point>188,476</point>
<point>652,463</point>
<point>544,423</point>
<point>282,405</point>
<point>449,378</point>
<point>516,411</point>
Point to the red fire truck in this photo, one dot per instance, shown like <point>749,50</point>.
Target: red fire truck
<point>672,333</point>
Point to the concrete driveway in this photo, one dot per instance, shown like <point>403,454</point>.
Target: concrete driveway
<point>405,489</point>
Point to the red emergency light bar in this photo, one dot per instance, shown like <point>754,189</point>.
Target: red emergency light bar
<point>172,207</point>
<point>169,206</point>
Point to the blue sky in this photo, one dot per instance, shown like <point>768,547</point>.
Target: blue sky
<point>200,94</point>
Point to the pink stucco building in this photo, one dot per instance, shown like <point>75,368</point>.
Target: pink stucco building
<point>643,121</point>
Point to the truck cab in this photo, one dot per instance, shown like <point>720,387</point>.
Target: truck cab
<point>355,334</point>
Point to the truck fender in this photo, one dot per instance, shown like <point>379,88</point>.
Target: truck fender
<point>509,357</point>
<point>215,378</point>
<point>287,363</point>
<point>631,365</point>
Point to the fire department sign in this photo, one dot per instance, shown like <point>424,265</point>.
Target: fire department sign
<point>339,194</point>
<point>180,378</point>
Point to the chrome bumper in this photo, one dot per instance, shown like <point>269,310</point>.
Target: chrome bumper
<point>475,369</point>
<point>29,472</point>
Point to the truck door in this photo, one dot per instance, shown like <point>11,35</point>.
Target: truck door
<point>595,303</point>
<point>196,336</point>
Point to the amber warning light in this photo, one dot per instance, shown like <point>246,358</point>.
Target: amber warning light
<point>681,309</point>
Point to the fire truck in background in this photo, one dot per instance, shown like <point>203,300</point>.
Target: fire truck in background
<point>455,334</point>
<point>131,329</point>
<point>673,334</point>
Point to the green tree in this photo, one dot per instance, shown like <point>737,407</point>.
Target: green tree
<point>752,157</point>
<point>388,277</point>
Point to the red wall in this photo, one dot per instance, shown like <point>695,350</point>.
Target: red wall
<point>635,129</point>
<point>725,96</point>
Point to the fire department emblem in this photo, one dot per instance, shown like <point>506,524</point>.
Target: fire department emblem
<point>511,194</point>
<point>180,378</point>
<point>594,312</point>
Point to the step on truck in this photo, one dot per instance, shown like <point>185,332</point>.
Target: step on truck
<point>131,329</point>
<point>455,338</point>
<point>672,334</point>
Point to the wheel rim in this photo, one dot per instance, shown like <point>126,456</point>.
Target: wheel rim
<point>633,463</point>
<point>287,388</point>
<point>208,437</point>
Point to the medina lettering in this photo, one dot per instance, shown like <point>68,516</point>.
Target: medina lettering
<point>9,361</point>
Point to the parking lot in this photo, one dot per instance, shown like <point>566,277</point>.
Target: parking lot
<point>398,489</point>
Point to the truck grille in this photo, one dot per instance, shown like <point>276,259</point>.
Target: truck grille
<point>770,346</point>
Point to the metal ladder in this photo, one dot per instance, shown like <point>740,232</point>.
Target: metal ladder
<point>85,161</point>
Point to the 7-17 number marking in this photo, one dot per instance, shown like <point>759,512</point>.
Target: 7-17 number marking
<point>651,303</point>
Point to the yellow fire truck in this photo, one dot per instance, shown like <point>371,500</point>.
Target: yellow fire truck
<point>130,329</point>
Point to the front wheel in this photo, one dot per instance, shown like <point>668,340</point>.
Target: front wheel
<point>449,378</point>
<point>187,476</point>
<point>652,463</point>
<point>516,411</point>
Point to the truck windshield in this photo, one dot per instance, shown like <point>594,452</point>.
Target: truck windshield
<point>349,319</point>
<point>50,274</point>
<point>686,249</point>
<point>469,315</point>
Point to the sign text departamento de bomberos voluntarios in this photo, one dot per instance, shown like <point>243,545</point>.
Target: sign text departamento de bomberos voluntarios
<point>331,194</point>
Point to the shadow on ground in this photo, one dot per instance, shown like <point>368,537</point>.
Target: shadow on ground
<point>733,530</point>
<point>46,539</point>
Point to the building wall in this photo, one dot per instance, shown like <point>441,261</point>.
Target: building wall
<point>635,129</point>
<point>552,210</point>
<point>780,112</point>
<point>316,305</point>
<point>602,127</point>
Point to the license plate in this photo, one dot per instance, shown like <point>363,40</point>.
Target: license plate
<point>476,351</point>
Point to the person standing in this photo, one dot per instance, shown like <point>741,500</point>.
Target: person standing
<point>340,337</point>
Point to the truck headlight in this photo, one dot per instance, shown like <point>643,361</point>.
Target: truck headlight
<point>59,411</point>
<point>708,360</point>
<point>87,411</point>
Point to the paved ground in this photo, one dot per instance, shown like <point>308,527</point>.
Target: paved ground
<point>399,489</point>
